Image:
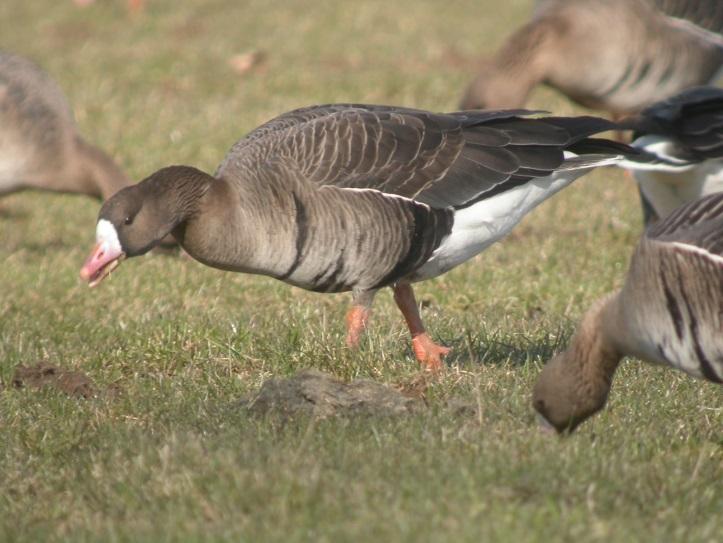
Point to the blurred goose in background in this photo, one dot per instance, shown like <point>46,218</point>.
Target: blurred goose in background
<point>614,55</point>
<point>670,311</point>
<point>355,198</point>
<point>685,136</point>
<point>40,147</point>
<point>134,6</point>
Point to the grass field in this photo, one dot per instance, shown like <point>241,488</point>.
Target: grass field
<point>169,455</point>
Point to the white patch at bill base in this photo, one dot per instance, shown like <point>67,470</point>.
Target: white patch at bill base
<point>106,235</point>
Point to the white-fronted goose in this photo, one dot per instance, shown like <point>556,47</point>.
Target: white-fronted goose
<point>40,147</point>
<point>670,311</point>
<point>685,135</point>
<point>355,198</point>
<point>615,55</point>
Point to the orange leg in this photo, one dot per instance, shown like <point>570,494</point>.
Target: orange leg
<point>356,322</point>
<point>358,316</point>
<point>428,353</point>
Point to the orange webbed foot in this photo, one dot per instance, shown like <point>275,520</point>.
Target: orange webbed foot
<point>428,353</point>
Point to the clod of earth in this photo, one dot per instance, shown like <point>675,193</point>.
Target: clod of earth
<point>312,392</point>
<point>43,375</point>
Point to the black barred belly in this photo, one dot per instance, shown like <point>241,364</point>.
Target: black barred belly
<point>363,243</point>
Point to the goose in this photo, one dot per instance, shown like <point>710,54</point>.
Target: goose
<point>40,147</point>
<point>684,137</point>
<point>669,311</point>
<point>619,56</point>
<point>346,197</point>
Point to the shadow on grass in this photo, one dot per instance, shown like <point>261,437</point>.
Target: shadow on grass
<point>500,348</point>
<point>10,214</point>
<point>284,348</point>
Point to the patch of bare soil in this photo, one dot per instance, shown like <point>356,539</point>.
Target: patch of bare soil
<point>315,393</point>
<point>43,375</point>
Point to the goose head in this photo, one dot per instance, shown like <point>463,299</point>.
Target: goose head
<point>139,217</point>
<point>562,397</point>
<point>574,384</point>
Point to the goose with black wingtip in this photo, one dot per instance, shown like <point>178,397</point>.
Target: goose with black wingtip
<point>670,311</point>
<point>356,198</point>
<point>40,147</point>
<point>684,137</point>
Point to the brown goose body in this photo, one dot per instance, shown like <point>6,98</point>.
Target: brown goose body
<point>317,240</point>
<point>615,55</point>
<point>357,197</point>
<point>40,147</point>
<point>670,311</point>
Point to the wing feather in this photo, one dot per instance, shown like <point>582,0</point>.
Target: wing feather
<point>438,159</point>
<point>698,223</point>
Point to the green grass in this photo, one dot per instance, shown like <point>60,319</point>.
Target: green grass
<point>171,456</point>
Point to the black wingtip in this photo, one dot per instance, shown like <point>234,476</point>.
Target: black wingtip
<point>603,146</point>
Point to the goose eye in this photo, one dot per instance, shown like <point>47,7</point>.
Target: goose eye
<point>128,220</point>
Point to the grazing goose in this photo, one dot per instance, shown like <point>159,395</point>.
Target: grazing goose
<point>615,55</point>
<point>40,147</point>
<point>685,136</point>
<point>355,198</point>
<point>670,311</point>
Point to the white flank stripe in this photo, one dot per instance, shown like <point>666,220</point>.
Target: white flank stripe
<point>377,191</point>
<point>698,251</point>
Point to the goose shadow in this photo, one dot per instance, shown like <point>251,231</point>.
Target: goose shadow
<point>500,348</point>
<point>10,214</point>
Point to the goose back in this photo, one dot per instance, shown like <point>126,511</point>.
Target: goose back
<point>441,160</point>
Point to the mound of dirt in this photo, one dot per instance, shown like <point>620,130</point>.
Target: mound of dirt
<point>44,374</point>
<point>312,392</point>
